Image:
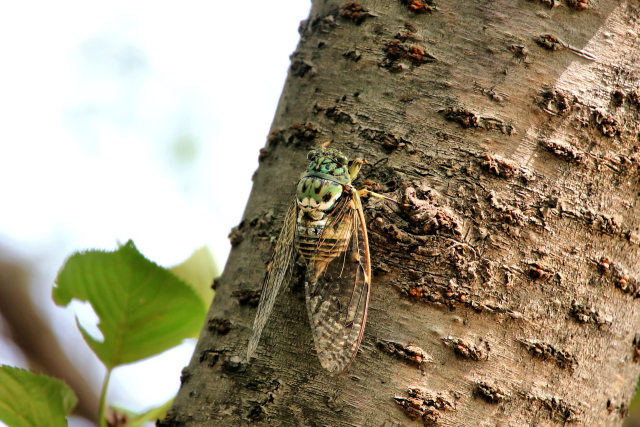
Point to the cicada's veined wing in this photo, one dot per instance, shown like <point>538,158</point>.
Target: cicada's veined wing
<point>278,272</point>
<point>337,292</point>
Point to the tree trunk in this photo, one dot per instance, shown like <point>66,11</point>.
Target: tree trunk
<point>505,284</point>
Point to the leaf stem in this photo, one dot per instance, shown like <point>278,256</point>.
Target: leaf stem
<point>103,399</point>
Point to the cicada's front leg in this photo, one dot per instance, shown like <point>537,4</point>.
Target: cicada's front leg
<point>365,192</point>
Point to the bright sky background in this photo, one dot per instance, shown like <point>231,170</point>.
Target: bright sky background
<point>138,120</point>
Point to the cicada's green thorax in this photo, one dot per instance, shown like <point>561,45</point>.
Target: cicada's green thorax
<point>330,164</point>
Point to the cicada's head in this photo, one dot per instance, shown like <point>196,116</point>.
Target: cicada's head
<point>323,183</point>
<point>332,164</point>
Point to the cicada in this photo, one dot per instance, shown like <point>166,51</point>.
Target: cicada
<point>326,226</point>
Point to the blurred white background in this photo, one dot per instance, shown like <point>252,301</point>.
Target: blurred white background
<point>138,120</point>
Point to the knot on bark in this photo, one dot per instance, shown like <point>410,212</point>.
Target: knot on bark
<point>426,215</point>
<point>423,404</point>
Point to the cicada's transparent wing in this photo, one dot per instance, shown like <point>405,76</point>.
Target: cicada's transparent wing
<point>337,292</point>
<point>278,272</point>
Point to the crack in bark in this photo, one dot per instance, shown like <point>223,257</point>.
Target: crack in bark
<point>586,314</point>
<point>398,53</point>
<point>466,350</point>
<point>355,12</point>
<point>388,141</point>
<point>260,226</point>
<point>220,326</point>
<point>505,168</point>
<point>423,404</point>
<point>409,353</point>
<point>564,150</point>
<point>544,351</point>
<point>248,297</point>
<point>490,394</point>
<point>620,277</point>
<point>419,6</point>
<point>468,119</point>
<point>299,134</point>
<point>558,408</point>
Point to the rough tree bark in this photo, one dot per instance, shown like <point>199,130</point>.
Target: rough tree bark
<point>506,288</point>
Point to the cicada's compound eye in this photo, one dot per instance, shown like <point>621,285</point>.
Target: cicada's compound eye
<point>342,159</point>
<point>311,155</point>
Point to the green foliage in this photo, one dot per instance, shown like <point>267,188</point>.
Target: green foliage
<point>27,399</point>
<point>198,271</point>
<point>143,308</point>
<point>137,420</point>
<point>634,406</point>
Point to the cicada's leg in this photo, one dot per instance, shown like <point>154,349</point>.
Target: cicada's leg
<point>365,192</point>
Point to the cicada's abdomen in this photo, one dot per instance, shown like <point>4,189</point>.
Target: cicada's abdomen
<point>318,245</point>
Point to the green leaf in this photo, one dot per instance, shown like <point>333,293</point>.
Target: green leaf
<point>198,271</point>
<point>27,399</point>
<point>137,420</point>
<point>143,308</point>
<point>634,406</point>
